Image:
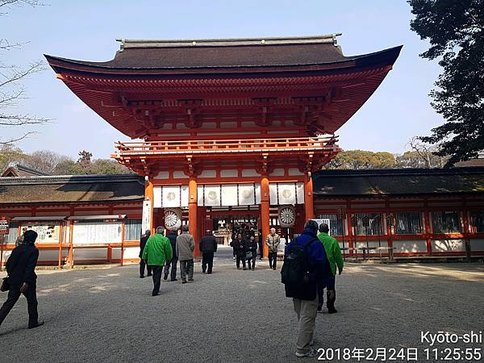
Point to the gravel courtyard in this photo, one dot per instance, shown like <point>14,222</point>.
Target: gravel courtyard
<point>108,314</point>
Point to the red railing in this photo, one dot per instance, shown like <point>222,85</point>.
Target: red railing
<point>224,146</point>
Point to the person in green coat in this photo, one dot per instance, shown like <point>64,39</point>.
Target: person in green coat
<point>156,253</point>
<point>333,253</point>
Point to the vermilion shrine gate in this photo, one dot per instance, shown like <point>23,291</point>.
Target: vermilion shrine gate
<point>227,127</point>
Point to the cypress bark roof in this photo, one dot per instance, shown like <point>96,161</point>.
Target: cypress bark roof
<point>71,189</point>
<point>224,54</point>
<point>398,182</point>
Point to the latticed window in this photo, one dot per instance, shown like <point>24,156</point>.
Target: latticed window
<point>477,221</point>
<point>367,224</point>
<point>133,230</point>
<point>408,223</point>
<point>335,224</point>
<point>446,222</point>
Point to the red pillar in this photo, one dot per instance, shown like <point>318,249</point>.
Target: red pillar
<point>428,232</point>
<point>264,212</point>
<point>308,198</point>
<point>192,213</point>
<point>149,196</point>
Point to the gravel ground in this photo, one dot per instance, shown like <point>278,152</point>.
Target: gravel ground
<point>108,314</point>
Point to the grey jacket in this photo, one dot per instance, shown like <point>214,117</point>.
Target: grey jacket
<point>273,242</point>
<point>185,246</point>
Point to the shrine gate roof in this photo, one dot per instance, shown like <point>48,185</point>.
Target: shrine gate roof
<point>151,88</point>
<point>219,56</point>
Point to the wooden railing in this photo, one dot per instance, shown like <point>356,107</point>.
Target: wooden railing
<point>224,146</point>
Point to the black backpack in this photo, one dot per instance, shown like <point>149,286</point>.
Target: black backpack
<point>297,274</point>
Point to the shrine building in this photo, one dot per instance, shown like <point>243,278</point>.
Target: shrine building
<point>227,130</point>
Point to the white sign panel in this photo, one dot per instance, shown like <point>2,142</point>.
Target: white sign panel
<point>287,193</point>
<point>47,233</point>
<point>246,194</point>
<point>184,196</point>
<point>157,197</point>
<point>212,196</point>
<point>146,218</point>
<point>300,193</point>
<point>273,194</point>
<point>170,197</point>
<point>229,195</point>
<point>97,233</point>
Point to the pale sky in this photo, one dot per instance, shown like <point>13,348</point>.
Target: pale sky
<point>87,29</point>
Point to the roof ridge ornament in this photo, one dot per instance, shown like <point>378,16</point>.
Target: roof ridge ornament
<point>168,43</point>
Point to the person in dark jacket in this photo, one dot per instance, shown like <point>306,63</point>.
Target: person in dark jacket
<point>208,246</point>
<point>22,278</point>
<point>142,264</point>
<point>171,264</point>
<point>251,253</point>
<point>306,302</point>
<point>240,247</point>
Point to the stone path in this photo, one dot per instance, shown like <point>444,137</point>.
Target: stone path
<point>109,315</point>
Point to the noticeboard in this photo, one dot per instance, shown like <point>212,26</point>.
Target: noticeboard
<point>4,225</point>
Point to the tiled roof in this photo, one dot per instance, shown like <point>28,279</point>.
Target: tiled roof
<point>401,182</point>
<point>71,189</point>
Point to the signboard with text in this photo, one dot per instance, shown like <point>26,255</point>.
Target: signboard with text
<point>3,225</point>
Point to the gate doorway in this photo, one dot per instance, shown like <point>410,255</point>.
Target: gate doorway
<point>226,223</point>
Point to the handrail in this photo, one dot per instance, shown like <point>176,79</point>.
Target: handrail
<point>219,146</point>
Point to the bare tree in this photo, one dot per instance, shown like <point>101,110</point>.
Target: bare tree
<point>427,153</point>
<point>11,77</point>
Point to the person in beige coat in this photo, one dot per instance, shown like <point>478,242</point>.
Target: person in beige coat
<point>185,245</point>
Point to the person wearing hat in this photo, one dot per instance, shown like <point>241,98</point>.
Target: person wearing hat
<point>22,278</point>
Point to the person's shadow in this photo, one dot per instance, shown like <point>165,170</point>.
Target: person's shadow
<point>11,331</point>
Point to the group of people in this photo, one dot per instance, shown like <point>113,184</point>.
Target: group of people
<point>245,247</point>
<point>160,254</point>
<point>245,251</point>
<point>323,258</point>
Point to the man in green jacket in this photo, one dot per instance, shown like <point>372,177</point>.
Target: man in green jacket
<point>333,253</point>
<point>156,253</point>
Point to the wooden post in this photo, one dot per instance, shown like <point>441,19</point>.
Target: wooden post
<point>70,253</point>
<point>466,231</point>
<point>2,241</point>
<point>192,213</point>
<point>61,239</point>
<point>123,229</point>
<point>349,223</point>
<point>308,197</point>
<point>428,236</point>
<point>264,213</point>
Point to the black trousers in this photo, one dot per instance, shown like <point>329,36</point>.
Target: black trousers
<point>172,265</point>
<point>207,262</point>
<point>142,265</point>
<point>273,260</point>
<point>239,258</point>
<point>156,278</point>
<point>251,261</point>
<point>13,296</point>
